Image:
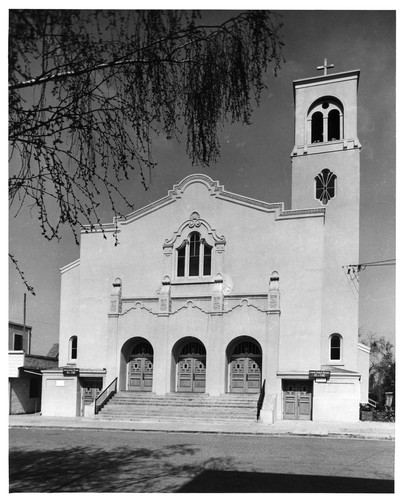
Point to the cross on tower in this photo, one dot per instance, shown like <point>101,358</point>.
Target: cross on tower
<point>325,66</point>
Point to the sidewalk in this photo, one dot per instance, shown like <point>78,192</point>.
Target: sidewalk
<point>358,430</point>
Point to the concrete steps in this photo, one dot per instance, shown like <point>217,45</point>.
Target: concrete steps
<point>177,407</point>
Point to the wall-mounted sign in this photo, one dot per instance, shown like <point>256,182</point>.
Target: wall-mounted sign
<point>70,371</point>
<point>319,374</point>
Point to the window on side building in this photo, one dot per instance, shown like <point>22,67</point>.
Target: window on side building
<point>18,342</point>
<point>35,385</point>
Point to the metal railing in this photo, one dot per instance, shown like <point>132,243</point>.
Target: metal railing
<point>104,396</point>
<point>260,401</point>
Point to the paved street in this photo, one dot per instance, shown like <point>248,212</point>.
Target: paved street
<point>80,460</point>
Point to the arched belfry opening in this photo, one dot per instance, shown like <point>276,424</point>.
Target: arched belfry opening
<point>244,362</point>
<point>325,120</point>
<point>334,132</point>
<point>317,127</point>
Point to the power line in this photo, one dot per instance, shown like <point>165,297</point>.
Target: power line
<point>388,262</point>
<point>362,266</point>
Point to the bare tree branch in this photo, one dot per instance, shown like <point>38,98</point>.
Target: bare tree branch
<point>89,90</point>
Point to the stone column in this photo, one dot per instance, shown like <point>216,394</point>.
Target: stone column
<point>217,294</point>
<point>214,361</point>
<point>115,306</point>
<point>271,408</point>
<point>165,296</point>
<point>113,354</point>
<point>162,358</point>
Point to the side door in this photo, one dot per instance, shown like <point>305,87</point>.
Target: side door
<point>290,406</point>
<point>304,401</point>
<point>297,400</point>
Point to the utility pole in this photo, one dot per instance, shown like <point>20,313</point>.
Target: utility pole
<point>24,324</point>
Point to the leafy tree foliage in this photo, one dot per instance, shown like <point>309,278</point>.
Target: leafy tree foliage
<point>88,91</point>
<point>382,368</point>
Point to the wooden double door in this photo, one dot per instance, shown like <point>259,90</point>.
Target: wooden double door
<point>297,399</point>
<point>245,374</point>
<point>191,374</point>
<point>140,373</point>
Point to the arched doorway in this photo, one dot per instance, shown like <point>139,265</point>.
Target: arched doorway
<point>190,358</point>
<point>244,357</point>
<point>140,367</point>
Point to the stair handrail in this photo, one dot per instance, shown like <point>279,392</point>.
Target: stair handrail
<point>104,396</point>
<point>260,401</point>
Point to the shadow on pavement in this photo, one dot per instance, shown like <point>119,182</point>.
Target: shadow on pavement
<point>215,481</point>
<point>91,469</point>
<point>174,468</point>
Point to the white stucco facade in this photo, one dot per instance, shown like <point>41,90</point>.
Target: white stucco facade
<point>210,291</point>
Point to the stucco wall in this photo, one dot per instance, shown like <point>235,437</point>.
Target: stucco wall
<point>363,369</point>
<point>69,309</point>
<point>60,395</point>
<point>337,400</point>
<point>257,243</point>
<point>15,361</point>
<point>20,400</point>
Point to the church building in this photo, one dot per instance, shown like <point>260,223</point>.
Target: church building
<point>212,292</point>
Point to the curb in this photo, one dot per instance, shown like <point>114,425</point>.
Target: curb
<point>299,434</point>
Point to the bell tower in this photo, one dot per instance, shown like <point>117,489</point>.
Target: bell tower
<point>325,157</point>
<point>325,173</point>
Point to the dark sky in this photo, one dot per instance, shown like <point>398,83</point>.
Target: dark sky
<point>255,161</point>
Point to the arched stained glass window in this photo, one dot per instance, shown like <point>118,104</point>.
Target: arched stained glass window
<point>335,347</point>
<point>73,347</point>
<point>194,252</point>
<point>181,261</point>
<point>207,259</point>
<point>194,257</point>
<point>325,185</point>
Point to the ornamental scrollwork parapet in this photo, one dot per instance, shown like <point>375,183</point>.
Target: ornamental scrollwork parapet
<point>194,221</point>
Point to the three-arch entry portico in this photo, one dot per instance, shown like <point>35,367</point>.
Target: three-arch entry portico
<point>213,293</point>
<point>243,357</point>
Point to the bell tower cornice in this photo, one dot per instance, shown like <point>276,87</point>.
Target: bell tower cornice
<point>337,77</point>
